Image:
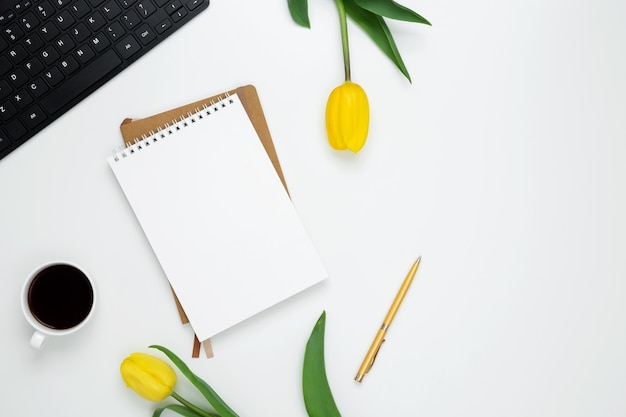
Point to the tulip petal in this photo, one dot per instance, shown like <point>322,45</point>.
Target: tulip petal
<point>347,117</point>
<point>333,120</point>
<point>148,376</point>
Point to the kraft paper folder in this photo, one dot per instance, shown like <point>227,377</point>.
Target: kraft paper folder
<point>133,129</point>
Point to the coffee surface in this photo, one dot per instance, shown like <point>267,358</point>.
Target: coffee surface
<point>60,297</point>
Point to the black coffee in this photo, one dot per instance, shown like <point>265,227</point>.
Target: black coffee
<point>60,297</point>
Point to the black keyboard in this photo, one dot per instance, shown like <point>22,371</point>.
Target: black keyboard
<point>54,53</point>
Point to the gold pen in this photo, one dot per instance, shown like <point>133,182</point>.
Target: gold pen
<point>380,336</point>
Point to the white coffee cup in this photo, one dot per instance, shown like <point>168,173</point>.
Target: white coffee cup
<point>58,298</point>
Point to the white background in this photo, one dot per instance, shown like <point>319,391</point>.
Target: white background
<point>502,164</point>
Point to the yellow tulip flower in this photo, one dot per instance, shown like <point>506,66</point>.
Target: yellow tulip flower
<point>347,117</point>
<point>148,376</point>
<point>347,109</point>
<point>154,380</point>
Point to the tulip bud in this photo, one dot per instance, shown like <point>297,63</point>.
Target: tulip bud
<point>347,117</point>
<point>148,376</point>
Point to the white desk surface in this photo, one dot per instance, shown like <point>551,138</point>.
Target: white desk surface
<point>503,164</point>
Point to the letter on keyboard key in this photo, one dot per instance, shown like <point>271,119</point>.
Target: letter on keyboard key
<point>81,81</point>
<point>145,34</point>
<point>33,116</point>
<point>128,46</point>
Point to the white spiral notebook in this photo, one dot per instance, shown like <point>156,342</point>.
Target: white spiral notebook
<point>217,217</point>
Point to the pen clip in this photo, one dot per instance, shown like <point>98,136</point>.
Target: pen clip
<point>375,355</point>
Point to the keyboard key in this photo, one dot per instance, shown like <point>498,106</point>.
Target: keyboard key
<point>13,32</point>
<point>100,42</point>
<point>45,10</point>
<point>65,44</point>
<point>18,77</point>
<point>163,26</point>
<point>49,55</point>
<point>5,65</point>
<point>111,9</point>
<point>178,15</point>
<point>68,65</point>
<point>33,116</point>
<point>53,76</point>
<point>96,21</point>
<point>128,47</point>
<point>49,31</point>
<point>81,81</point>
<point>29,21</point>
<point>127,3</point>
<point>5,89</point>
<point>192,4</point>
<point>17,54</point>
<point>115,30</point>
<point>145,8</point>
<point>61,3</point>
<point>80,32</point>
<point>145,34</point>
<point>7,110</point>
<point>38,87</point>
<point>84,54</point>
<point>22,6</point>
<point>130,19</point>
<point>33,42</point>
<point>172,6</point>
<point>16,129</point>
<point>21,99</point>
<point>7,17</point>
<point>33,66</point>
<point>80,9</point>
<point>64,20</point>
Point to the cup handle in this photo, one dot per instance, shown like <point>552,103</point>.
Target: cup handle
<point>37,340</point>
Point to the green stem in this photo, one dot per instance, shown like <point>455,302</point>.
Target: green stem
<point>344,38</point>
<point>189,405</point>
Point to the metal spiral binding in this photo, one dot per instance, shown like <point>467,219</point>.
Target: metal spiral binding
<point>168,129</point>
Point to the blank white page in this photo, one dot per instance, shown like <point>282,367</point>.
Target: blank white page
<point>217,217</point>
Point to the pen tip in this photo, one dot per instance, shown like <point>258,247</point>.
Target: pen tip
<point>419,259</point>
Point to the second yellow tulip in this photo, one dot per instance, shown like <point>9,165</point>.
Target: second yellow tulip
<point>347,117</point>
<point>148,376</point>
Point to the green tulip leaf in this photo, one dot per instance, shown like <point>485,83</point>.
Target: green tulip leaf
<point>180,409</point>
<point>318,399</point>
<point>299,10</point>
<point>205,389</point>
<point>392,10</point>
<point>378,31</point>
